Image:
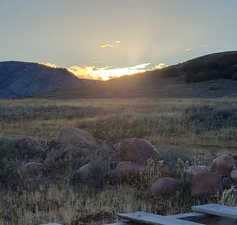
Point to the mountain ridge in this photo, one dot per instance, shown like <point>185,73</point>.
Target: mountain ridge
<point>23,79</point>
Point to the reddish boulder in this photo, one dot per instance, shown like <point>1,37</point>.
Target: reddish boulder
<point>206,183</point>
<point>166,185</point>
<point>127,170</point>
<point>134,150</point>
<point>194,170</point>
<point>223,165</point>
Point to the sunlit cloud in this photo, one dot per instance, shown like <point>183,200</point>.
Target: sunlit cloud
<point>111,44</point>
<point>160,66</point>
<point>188,50</point>
<point>51,65</point>
<point>107,72</point>
<point>106,46</point>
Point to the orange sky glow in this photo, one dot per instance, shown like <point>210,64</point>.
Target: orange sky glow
<point>107,72</point>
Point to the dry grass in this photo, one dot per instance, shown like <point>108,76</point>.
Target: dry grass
<point>180,128</point>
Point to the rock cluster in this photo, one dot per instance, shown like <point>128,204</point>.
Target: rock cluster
<point>131,160</point>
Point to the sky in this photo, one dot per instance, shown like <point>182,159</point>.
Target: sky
<point>117,33</point>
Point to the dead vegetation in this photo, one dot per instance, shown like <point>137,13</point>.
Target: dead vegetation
<point>182,130</point>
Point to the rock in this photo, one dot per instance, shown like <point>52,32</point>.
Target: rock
<point>32,169</point>
<point>194,170</point>
<point>29,148</point>
<point>128,170</point>
<point>70,153</point>
<point>167,170</point>
<point>92,173</point>
<point>134,150</point>
<point>165,185</point>
<point>28,143</point>
<point>223,165</point>
<point>233,175</point>
<point>206,183</point>
<point>76,137</point>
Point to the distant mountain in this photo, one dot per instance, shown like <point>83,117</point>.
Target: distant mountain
<point>213,75</point>
<point>22,79</point>
<point>209,67</point>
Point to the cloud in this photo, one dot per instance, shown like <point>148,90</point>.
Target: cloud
<point>108,72</point>
<point>188,50</point>
<point>51,65</point>
<point>160,66</point>
<point>110,44</point>
<point>106,46</point>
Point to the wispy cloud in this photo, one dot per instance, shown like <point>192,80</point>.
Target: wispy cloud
<point>188,49</point>
<point>110,44</point>
<point>160,66</point>
<point>106,46</point>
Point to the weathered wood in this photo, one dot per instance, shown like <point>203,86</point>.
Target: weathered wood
<point>217,210</point>
<point>152,219</point>
<point>120,224</point>
<point>188,215</point>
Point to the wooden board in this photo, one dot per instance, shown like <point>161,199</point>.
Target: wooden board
<point>217,210</point>
<point>152,219</point>
<point>188,215</point>
<point>123,223</point>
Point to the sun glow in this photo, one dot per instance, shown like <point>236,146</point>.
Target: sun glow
<point>51,65</point>
<point>107,72</point>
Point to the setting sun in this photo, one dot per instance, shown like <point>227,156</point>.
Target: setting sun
<point>107,72</point>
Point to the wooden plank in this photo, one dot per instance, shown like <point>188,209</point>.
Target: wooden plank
<point>152,219</point>
<point>217,210</point>
<point>188,215</point>
<point>120,224</point>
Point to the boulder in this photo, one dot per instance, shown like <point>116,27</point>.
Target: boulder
<point>167,170</point>
<point>206,183</point>
<point>223,165</point>
<point>194,170</point>
<point>29,148</point>
<point>92,173</point>
<point>28,143</point>
<point>166,185</point>
<point>135,150</point>
<point>128,170</point>
<point>32,169</point>
<point>76,137</point>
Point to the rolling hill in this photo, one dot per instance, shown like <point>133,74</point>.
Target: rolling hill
<point>21,79</point>
<point>213,75</point>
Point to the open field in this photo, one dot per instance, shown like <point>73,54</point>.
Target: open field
<point>191,129</point>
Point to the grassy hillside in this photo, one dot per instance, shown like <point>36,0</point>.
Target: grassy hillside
<point>210,76</point>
